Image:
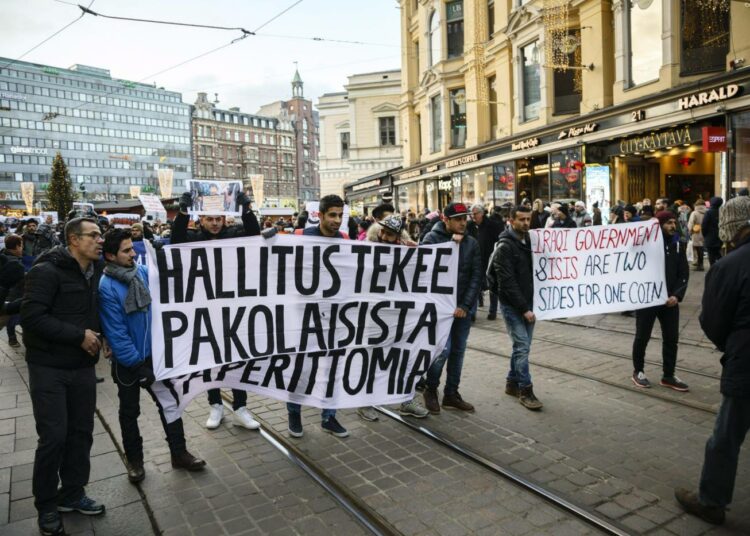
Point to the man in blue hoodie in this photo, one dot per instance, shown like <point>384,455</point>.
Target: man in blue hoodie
<point>125,311</point>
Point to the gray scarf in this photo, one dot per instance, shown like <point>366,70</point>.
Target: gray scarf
<point>138,298</point>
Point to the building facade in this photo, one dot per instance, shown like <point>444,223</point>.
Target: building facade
<point>359,132</point>
<point>585,99</point>
<point>113,134</point>
<point>304,120</point>
<point>232,145</point>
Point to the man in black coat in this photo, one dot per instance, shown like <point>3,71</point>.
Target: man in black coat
<point>510,277</point>
<point>677,273</point>
<point>725,319</point>
<point>12,276</point>
<point>214,227</point>
<point>469,285</point>
<point>710,230</point>
<point>486,231</point>
<point>60,320</point>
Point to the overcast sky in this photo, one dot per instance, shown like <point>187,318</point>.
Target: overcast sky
<point>252,72</point>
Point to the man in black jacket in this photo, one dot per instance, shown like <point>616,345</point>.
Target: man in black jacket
<point>725,320</point>
<point>677,273</point>
<point>470,275</point>
<point>710,230</point>
<point>486,231</point>
<point>214,227</point>
<point>12,276</point>
<point>61,333</point>
<point>510,278</point>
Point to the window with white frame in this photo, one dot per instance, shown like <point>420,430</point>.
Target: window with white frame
<point>436,124</point>
<point>434,42</point>
<point>531,80</point>
<point>644,30</point>
<point>387,128</point>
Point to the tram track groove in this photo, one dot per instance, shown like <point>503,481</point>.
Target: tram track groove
<point>366,516</point>
<point>497,469</point>
<point>608,353</point>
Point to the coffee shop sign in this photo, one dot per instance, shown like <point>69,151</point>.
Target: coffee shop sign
<point>658,140</point>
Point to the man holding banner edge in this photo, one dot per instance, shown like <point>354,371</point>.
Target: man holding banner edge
<point>213,227</point>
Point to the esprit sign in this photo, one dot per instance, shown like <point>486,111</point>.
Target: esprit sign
<point>658,140</point>
<point>714,139</point>
<point>707,97</point>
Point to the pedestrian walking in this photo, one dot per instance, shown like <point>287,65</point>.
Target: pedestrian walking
<point>725,318</point>
<point>486,232</point>
<point>125,312</point>
<point>12,275</point>
<point>511,279</point>
<point>676,275</point>
<point>214,227</point>
<point>696,234</point>
<point>470,275</point>
<point>710,230</point>
<point>331,213</point>
<point>60,320</point>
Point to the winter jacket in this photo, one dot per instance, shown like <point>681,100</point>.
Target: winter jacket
<point>710,225</point>
<point>696,218</point>
<point>582,219</point>
<point>470,270</point>
<point>59,304</point>
<point>11,276</point>
<point>181,234</point>
<point>567,223</point>
<point>538,219</point>
<point>725,318</point>
<point>129,335</point>
<point>510,274</point>
<point>676,267</point>
<point>486,233</point>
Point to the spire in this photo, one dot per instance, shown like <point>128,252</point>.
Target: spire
<point>297,83</point>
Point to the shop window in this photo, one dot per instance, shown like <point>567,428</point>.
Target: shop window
<point>644,29</point>
<point>344,145</point>
<point>531,80</point>
<point>740,159</point>
<point>458,118</point>
<point>567,82</point>
<point>566,170</point>
<point>455,28</point>
<point>434,42</point>
<point>492,94</point>
<point>704,37</point>
<point>504,182</point>
<point>387,127</point>
<point>436,125</point>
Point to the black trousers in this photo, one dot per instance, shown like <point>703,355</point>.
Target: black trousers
<point>714,254</point>
<point>64,401</point>
<point>239,398</point>
<point>129,393</point>
<point>669,320</point>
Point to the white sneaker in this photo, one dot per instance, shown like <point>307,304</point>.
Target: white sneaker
<point>215,416</point>
<point>243,417</point>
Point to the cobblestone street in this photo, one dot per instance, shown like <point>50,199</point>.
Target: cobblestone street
<point>599,443</point>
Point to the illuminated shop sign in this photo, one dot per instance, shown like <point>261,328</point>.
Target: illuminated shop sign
<point>657,140</point>
<point>574,132</point>
<point>525,144</point>
<point>708,97</point>
<point>462,160</point>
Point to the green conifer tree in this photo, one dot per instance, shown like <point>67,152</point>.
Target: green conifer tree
<point>60,194</point>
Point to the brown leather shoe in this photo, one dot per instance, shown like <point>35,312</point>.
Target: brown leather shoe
<point>185,460</point>
<point>527,398</point>
<point>511,388</point>
<point>136,472</point>
<point>431,401</point>
<point>690,502</point>
<point>455,401</point>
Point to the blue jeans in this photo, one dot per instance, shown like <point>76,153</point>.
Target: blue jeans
<point>454,354</point>
<point>723,450</point>
<point>324,414</point>
<point>520,333</point>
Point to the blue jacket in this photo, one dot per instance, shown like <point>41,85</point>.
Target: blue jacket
<point>129,335</point>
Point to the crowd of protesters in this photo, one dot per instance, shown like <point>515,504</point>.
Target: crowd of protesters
<point>79,289</point>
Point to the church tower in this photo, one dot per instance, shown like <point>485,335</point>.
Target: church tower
<point>297,85</point>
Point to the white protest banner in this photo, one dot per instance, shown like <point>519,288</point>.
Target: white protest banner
<point>48,214</point>
<point>152,204</point>
<point>600,269</point>
<point>214,197</point>
<point>313,216</point>
<point>322,322</point>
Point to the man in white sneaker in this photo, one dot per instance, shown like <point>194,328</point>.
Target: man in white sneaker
<point>214,227</point>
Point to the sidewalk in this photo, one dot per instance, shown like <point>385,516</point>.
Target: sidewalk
<point>126,512</point>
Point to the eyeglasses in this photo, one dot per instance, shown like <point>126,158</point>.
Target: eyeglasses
<point>93,234</point>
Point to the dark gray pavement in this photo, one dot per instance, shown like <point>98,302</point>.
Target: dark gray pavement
<point>604,446</point>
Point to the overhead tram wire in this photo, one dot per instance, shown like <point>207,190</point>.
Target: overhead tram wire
<point>32,49</point>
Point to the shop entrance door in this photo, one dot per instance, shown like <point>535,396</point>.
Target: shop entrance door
<point>689,187</point>
<point>444,198</point>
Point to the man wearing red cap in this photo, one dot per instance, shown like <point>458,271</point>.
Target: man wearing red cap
<point>677,273</point>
